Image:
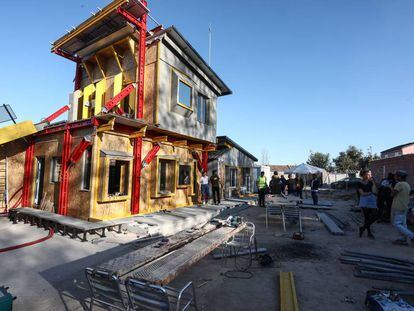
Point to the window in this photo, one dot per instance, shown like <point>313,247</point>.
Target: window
<point>202,109</point>
<point>118,178</point>
<point>86,169</point>
<point>55,169</point>
<point>166,177</point>
<point>184,175</point>
<point>184,94</point>
<point>233,177</point>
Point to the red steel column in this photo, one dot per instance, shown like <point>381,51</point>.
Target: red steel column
<point>137,165</point>
<point>64,173</point>
<point>205,161</point>
<point>28,171</point>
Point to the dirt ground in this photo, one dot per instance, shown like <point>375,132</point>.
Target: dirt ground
<point>49,276</point>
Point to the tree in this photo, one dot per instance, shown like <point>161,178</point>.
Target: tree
<point>367,159</point>
<point>265,160</point>
<point>351,159</point>
<point>319,159</point>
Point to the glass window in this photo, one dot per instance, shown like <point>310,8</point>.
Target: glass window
<point>233,177</point>
<point>202,109</point>
<point>118,178</point>
<point>166,176</point>
<point>184,94</point>
<point>86,169</point>
<point>184,176</point>
<point>55,169</point>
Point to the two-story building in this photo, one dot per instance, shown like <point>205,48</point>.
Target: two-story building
<point>141,122</point>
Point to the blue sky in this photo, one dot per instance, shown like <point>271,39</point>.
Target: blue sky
<point>306,74</point>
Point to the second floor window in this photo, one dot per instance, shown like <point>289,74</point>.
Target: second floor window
<point>184,94</point>
<point>202,109</point>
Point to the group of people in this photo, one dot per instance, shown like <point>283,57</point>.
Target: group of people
<point>215,183</point>
<point>387,201</point>
<point>282,186</point>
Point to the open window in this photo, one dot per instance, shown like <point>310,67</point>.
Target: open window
<point>118,178</point>
<point>184,175</point>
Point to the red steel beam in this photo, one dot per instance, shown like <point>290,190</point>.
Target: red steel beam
<point>205,161</point>
<point>131,18</point>
<point>67,55</point>
<point>71,126</point>
<point>199,162</point>
<point>64,173</point>
<point>28,171</point>
<point>79,150</point>
<point>120,96</point>
<point>136,177</point>
<point>151,155</point>
<point>56,114</point>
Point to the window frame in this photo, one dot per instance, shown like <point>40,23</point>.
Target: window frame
<point>84,170</point>
<point>156,193</point>
<point>104,180</point>
<point>206,108</point>
<point>233,169</point>
<point>178,94</point>
<point>190,184</point>
<point>53,163</point>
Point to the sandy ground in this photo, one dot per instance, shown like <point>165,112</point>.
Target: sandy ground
<point>49,276</point>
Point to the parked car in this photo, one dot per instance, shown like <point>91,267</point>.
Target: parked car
<point>342,183</point>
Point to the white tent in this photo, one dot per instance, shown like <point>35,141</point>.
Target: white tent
<point>304,169</point>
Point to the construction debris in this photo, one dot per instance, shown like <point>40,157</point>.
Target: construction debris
<point>330,224</point>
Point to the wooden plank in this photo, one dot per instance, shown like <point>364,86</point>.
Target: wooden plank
<point>160,139</point>
<point>138,134</point>
<point>165,269</point>
<point>87,93</point>
<point>106,127</point>
<point>196,146</point>
<point>288,299</point>
<point>16,131</point>
<point>330,224</point>
<point>136,259</point>
<point>100,95</point>
<point>180,143</point>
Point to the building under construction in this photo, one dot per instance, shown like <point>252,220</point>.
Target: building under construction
<point>141,121</point>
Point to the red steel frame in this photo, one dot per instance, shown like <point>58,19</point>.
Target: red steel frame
<point>56,114</point>
<point>139,114</point>
<point>28,171</point>
<point>64,173</point>
<point>151,155</point>
<point>205,161</point>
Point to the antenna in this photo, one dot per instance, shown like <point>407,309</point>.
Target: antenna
<point>209,44</point>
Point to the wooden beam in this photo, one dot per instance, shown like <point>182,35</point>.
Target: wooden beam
<point>158,139</point>
<point>116,56</point>
<point>109,126</point>
<point>138,134</point>
<point>210,148</point>
<point>196,146</point>
<point>288,299</point>
<point>180,143</point>
<point>100,66</point>
<point>88,71</point>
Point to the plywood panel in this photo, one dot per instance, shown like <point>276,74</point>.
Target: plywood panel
<point>100,95</point>
<point>87,98</point>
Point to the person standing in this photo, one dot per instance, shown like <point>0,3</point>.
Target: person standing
<point>385,198</point>
<point>283,184</point>
<point>399,209</point>
<point>275,184</point>
<point>262,187</point>
<point>215,187</point>
<point>204,188</point>
<point>367,201</point>
<point>291,184</point>
<point>299,186</point>
<point>315,184</point>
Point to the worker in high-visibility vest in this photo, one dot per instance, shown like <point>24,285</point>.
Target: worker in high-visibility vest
<point>262,187</point>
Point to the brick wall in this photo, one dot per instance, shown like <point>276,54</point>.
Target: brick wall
<point>382,167</point>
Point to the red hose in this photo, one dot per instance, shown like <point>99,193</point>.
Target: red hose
<point>10,248</point>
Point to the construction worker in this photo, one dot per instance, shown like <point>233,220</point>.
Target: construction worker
<point>399,209</point>
<point>275,184</point>
<point>204,188</point>
<point>215,187</point>
<point>262,187</point>
<point>299,186</point>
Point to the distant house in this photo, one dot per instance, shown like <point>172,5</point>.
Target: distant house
<point>397,158</point>
<point>234,164</point>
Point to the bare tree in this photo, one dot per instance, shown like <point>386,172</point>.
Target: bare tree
<point>265,159</point>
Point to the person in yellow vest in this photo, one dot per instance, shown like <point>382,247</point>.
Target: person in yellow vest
<point>262,187</point>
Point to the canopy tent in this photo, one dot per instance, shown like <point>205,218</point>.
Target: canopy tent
<point>304,169</point>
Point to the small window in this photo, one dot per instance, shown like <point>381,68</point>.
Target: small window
<point>55,169</point>
<point>184,176</point>
<point>184,94</point>
<point>202,109</point>
<point>86,169</point>
<point>118,178</point>
<point>166,176</point>
<point>233,177</point>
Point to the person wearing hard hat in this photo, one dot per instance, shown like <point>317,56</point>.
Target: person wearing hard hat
<point>399,208</point>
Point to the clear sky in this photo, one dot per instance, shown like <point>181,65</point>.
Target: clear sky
<point>306,74</point>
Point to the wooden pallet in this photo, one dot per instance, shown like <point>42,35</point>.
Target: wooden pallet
<point>288,299</point>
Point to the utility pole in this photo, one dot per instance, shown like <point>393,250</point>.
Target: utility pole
<point>209,44</point>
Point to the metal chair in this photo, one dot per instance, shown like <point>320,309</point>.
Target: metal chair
<point>149,297</point>
<point>286,213</point>
<point>240,246</point>
<point>105,288</point>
